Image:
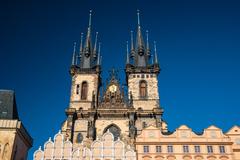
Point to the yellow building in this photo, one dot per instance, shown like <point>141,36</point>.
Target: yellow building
<point>184,144</point>
<point>112,122</point>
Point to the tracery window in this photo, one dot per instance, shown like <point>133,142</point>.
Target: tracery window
<point>84,90</point>
<point>114,130</point>
<point>143,89</point>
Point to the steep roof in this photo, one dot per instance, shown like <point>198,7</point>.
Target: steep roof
<point>8,107</point>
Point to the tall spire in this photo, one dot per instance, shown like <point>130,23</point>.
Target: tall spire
<point>74,54</point>
<point>140,43</point>
<point>88,38</point>
<point>99,56</point>
<point>95,46</point>
<point>155,51</point>
<point>127,61</point>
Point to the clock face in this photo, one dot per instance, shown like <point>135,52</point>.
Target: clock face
<point>113,88</point>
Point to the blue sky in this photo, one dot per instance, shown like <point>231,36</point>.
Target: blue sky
<point>197,43</point>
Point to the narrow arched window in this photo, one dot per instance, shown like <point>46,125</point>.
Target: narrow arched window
<point>79,138</point>
<point>143,89</point>
<point>84,90</point>
<point>77,89</point>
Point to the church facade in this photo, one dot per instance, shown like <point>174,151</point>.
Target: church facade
<point>112,122</point>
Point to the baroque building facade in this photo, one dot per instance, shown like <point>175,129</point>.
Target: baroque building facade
<point>116,122</point>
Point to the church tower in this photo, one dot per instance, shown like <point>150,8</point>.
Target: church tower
<point>85,71</point>
<point>91,114</point>
<point>142,80</point>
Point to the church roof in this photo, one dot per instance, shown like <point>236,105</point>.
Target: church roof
<point>8,107</point>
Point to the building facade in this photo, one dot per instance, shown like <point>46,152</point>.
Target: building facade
<point>110,121</point>
<point>211,144</point>
<point>15,141</point>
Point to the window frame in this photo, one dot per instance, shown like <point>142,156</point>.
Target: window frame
<point>158,149</point>
<point>185,149</point>
<point>143,89</point>
<point>209,149</point>
<point>222,149</point>
<point>84,90</point>
<point>170,148</point>
<point>197,149</point>
<point>145,149</point>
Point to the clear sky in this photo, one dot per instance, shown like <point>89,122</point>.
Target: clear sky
<point>198,44</point>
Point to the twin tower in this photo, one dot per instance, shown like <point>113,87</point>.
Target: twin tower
<point>94,109</point>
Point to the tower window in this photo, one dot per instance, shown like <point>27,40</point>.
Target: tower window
<point>84,90</point>
<point>143,89</point>
<point>77,89</point>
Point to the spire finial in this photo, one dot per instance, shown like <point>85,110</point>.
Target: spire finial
<point>74,53</point>
<point>95,45</point>
<point>90,18</point>
<point>99,57</point>
<point>138,15</point>
<point>155,50</point>
<point>127,54</point>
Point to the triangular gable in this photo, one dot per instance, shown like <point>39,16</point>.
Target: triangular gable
<point>234,130</point>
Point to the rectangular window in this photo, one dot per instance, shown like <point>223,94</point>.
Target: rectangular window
<point>222,149</point>
<point>170,149</point>
<point>158,149</point>
<point>185,149</point>
<point>210,149</point>
<point>197,149</point>
<point>146,149</point>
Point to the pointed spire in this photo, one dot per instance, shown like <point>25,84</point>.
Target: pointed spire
<point>88,38</point>
<point>155,51</point>
<point>95,46</point>
<point>90,19</point>
<point>138,18</point>
<point>74,54</point>
<point>127,61</point>
<point>140,43</point>
<point>99,56</point>
<point>148,49</point>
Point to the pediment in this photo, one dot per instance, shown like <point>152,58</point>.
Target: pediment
<point>234,130</point>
